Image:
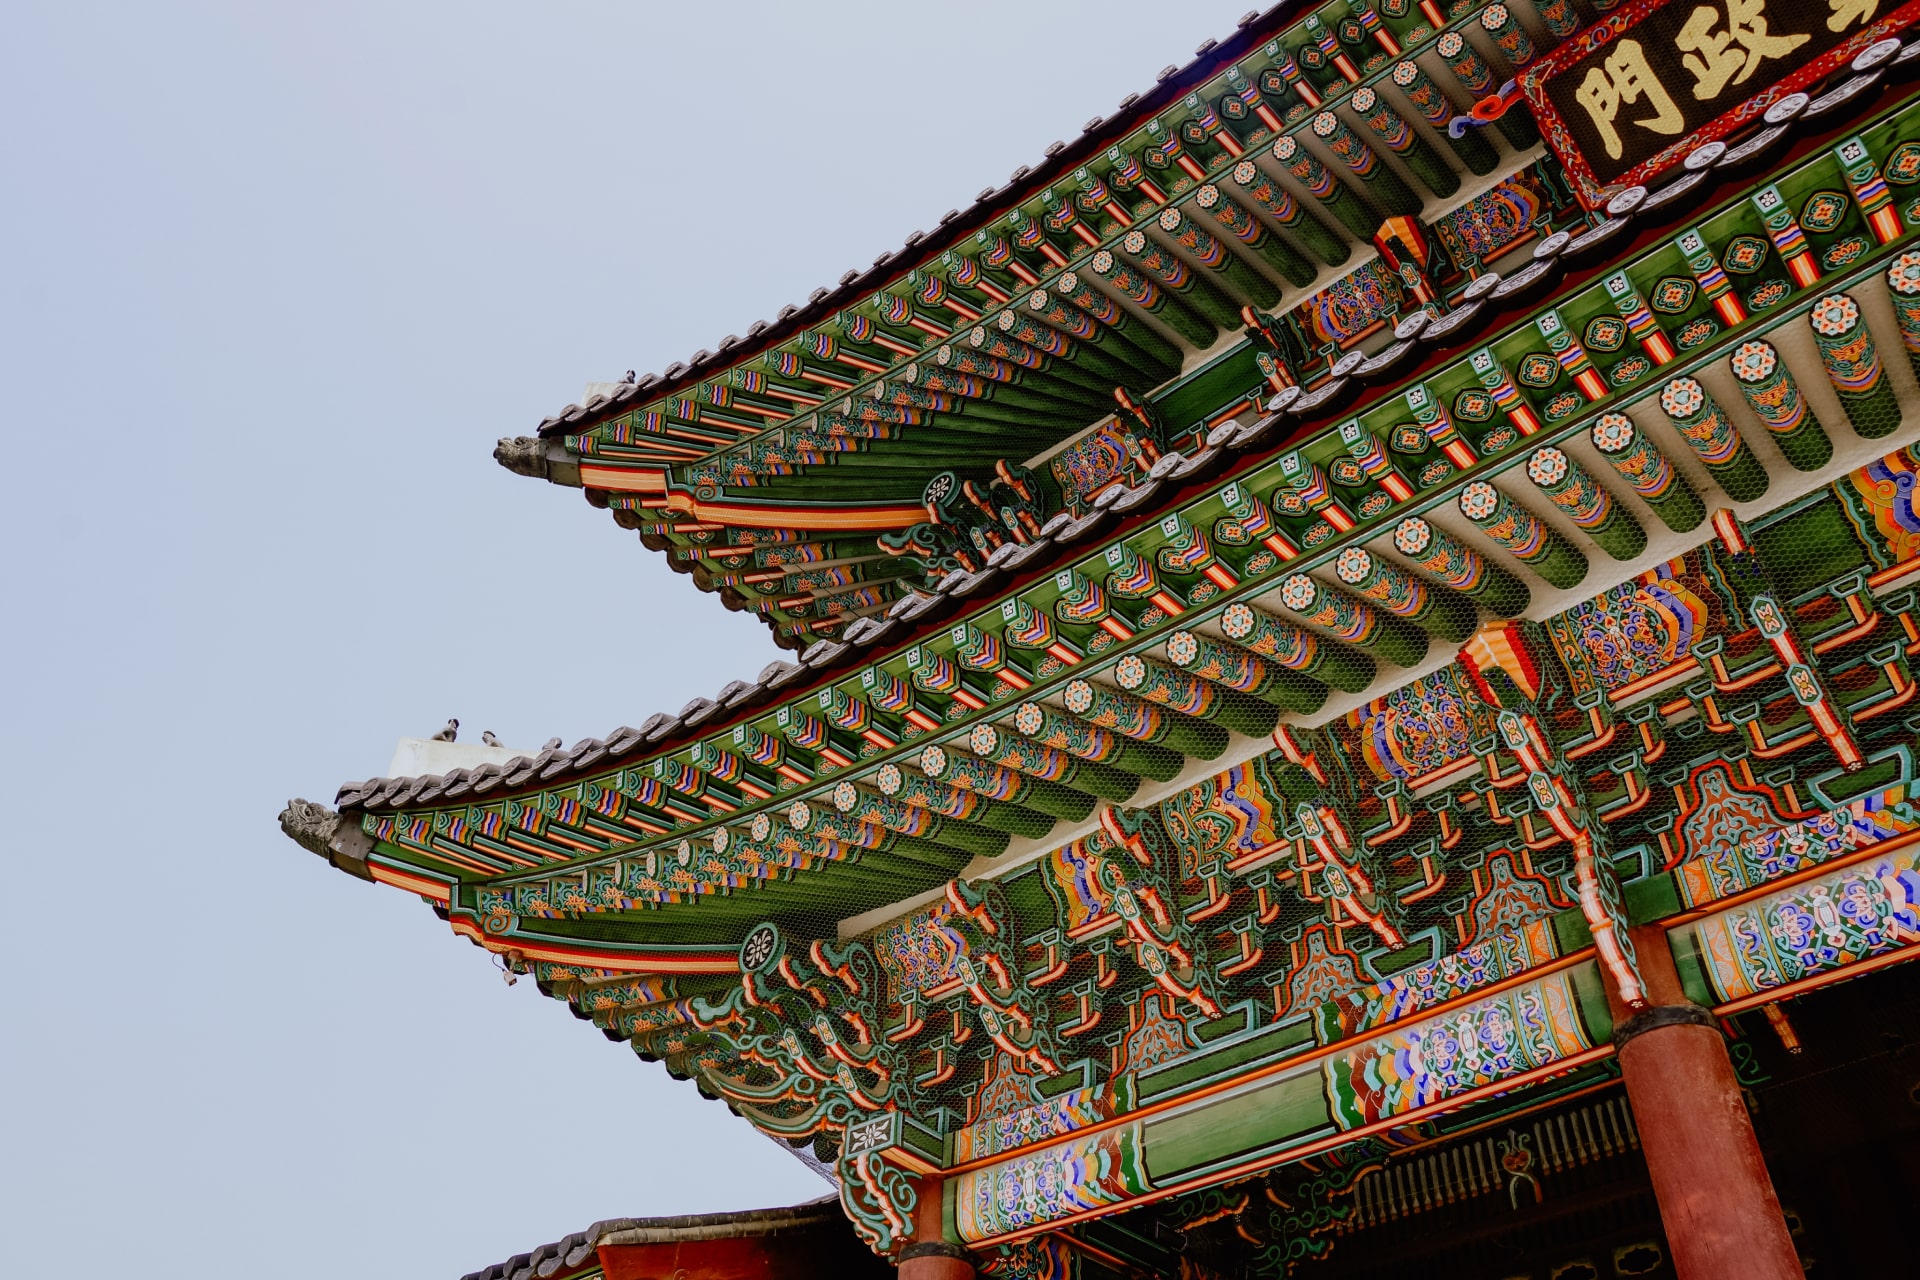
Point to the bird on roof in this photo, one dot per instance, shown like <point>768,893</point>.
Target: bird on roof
<point>449,733</point>
<point>630,377</point>
<point>551,744</point>
<point>486,736</point>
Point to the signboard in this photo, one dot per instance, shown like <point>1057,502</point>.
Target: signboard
<point>1628,97</point>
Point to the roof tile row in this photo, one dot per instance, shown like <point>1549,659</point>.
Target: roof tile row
<point>823,301</point>
<point>578,1249</point>
<point>907,615</point>
<point>921,609</point>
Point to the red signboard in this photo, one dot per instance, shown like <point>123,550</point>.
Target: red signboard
<point>1627,98</point>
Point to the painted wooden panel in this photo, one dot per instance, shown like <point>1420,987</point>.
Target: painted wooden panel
<point>1843,918</point>
<point>1516,1031</point>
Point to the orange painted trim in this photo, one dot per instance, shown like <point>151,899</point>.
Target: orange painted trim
<point>1635,687</point>
<point>1773,995</point>
<point>1897,571</point>
<point>622,479</point>
<point>1745,896</point>
<point>1445,773</point>
<point>1248,1168</point>
<point>721,962</point>
<point>1282,1068</point>
<point>854,519</point>
<point>1451,1136</point>
<point>438,890</point>
<point>461,856</point>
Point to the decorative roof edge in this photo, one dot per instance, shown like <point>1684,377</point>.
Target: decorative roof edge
<point>574,1250</point>
<point>823,660</point>
<point>914,618</point>
<point>954,226</point>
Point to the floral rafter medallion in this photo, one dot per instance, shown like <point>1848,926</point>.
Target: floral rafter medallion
<point>1823,211</point>
<point>1744,255</point>
<point>1632,369</point>
<point>1768,293</point>
<point>1671,294</point>
<point>1844,253</point>
<point>1903,164</point>
<point>1474,405</point>
<point>1605,333</point>
<point>1538,370</point>
<point>1696,331</point>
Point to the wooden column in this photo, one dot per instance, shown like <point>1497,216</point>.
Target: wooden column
<point>931,1256</point>
<point>1716,1199</point>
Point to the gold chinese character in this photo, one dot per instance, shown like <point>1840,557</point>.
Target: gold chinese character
<point>1623,78</point>
<point>1715,58</point>
<point>1848,12</point>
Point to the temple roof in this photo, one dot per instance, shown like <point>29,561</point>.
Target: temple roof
<point>847,427</point>
<point>954,227</point>
<point>1301,679</point>
<point>1249,450</point>
<point>575,1251</point>
<point>918,615</point>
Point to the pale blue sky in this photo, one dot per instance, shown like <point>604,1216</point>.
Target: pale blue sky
<point>275,277</point>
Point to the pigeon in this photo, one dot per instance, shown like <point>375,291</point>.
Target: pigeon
<point>449,733</point>
<point>551,744</point>
<point>486,736</point>
<point>629,377</point>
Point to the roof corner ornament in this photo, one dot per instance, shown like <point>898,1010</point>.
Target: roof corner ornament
<point>522,455</point>
<point>320,830</point>
<point>310,825</point>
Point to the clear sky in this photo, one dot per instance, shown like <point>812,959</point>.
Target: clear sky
<point>275,278</point>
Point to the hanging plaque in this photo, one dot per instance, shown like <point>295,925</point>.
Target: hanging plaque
<point>1628,97</point>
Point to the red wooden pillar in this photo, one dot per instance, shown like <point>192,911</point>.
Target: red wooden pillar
<point>1722,1218</point>
<point>930,1256</point>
